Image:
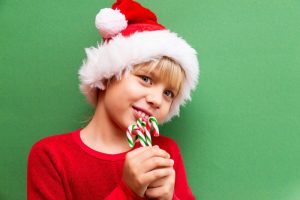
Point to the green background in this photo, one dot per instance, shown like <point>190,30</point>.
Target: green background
<point>239,136</point>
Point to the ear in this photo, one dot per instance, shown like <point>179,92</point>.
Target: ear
<point>98,91</point>
<point>99,95</point>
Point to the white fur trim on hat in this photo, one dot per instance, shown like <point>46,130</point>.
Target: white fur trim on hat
<point>113,57</point>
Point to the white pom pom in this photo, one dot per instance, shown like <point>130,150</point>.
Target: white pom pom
<point>110,22</point>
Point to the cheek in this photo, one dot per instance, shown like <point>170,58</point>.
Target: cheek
<point>114,100</point>
<point>118,100</point>
<point>133,91</point>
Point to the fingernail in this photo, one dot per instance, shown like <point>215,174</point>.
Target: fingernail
<point>172,162</point>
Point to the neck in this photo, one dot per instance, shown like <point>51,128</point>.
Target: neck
<point>102,134</point>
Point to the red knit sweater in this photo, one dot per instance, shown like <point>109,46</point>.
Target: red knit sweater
<point>63,167</point>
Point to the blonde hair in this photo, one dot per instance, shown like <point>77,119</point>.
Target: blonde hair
<point>169,71</point>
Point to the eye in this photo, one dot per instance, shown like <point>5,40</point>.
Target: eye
<point>169,94</point>
<point>146,79</point>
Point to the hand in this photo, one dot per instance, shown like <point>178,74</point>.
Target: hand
<point>162,188</point>
<point>145,165</point>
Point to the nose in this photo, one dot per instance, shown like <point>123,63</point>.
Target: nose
<point>155,97</point>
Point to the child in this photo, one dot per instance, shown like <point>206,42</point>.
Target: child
<point>140,70</point>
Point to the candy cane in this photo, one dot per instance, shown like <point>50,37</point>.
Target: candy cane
<point>142,127</point>
<point>154,126</point>
<point>129,134</point>
<point>148,135</point>
<point>142,124</point>
<point>141,138</point>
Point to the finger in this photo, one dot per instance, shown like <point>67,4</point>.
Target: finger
<point>156,174</point>
<point>157,192</point>
<point>156,162</point>
<point>152,152</point>
<point>137,151</point>
<point>158,183</point>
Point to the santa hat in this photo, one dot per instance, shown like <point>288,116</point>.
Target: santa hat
<point>132,35</point>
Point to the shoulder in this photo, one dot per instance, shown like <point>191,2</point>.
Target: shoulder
<point>53,143</point>
<point>164,141</point>
<point>56,139</point>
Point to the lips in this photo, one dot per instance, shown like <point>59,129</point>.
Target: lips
<point>141,113</point>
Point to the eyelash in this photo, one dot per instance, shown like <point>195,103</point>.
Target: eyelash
<point>172,94</point>
<point>146,79</point>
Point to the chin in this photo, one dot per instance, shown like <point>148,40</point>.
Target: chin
<point>129,121</point>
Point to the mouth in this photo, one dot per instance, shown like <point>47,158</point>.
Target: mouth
<point>141,113</point>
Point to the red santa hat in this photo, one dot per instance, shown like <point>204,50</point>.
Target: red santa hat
<point>132,35</point>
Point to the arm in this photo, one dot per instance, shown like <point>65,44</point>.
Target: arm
<point>122,191</point>
<point>43,180</point>
<point>142,166</point>
<point>175,185</point>
<point>181,190</point>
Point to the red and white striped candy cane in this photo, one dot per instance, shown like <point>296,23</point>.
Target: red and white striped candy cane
<point>143,129</point>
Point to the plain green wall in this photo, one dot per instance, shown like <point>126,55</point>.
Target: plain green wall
<point>240,134</point>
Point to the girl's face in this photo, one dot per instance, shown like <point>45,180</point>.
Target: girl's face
<point>138,94</point>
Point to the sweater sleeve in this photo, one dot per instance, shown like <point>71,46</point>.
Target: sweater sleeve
<point>122,191</point>
<point>181,190</point>
<point>43,180</point>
